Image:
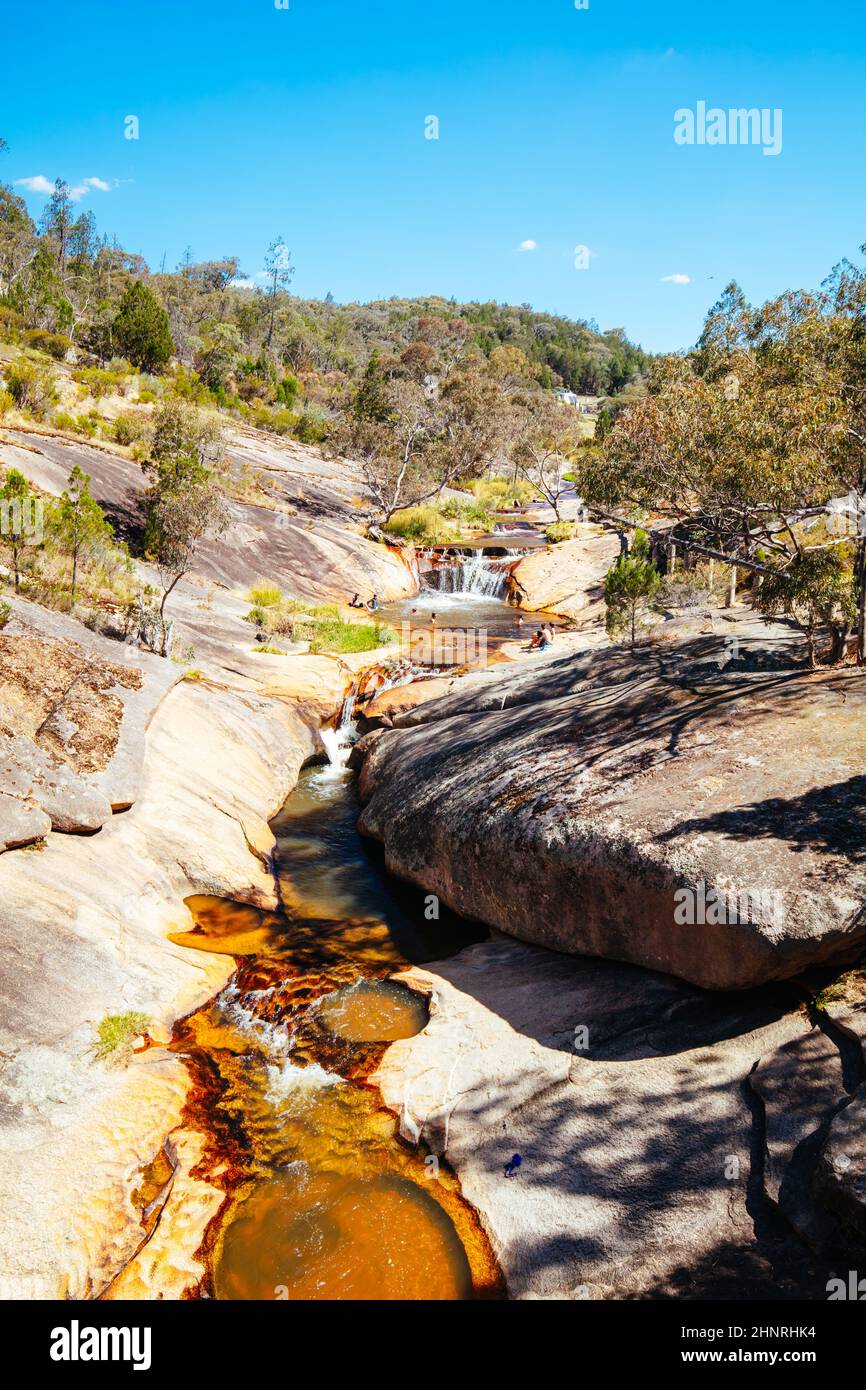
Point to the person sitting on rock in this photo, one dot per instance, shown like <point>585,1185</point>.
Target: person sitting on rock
<point>356,602</point>
<point>374,604</point>
<point>535,644</point>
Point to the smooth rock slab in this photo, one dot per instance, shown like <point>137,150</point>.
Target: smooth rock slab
<point>638,1148</point>
<point>800,1086</point>
<point>841,1175</point>
<point>592,805</point>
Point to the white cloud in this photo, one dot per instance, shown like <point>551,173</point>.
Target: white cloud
<point>676,279</point>
<point>37,183</point>
<point>86,186</point>
<point>243,284</point>
<point>528,246</point>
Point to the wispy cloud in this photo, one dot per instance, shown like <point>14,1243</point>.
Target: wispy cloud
<point>37,183</point>
<point>86,186</point>
<point>528,246</point>
<point>676,279</point>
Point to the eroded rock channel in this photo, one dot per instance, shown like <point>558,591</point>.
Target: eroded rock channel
<point>323,1199</point>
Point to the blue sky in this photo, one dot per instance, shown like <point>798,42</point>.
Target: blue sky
<point>556,127</point>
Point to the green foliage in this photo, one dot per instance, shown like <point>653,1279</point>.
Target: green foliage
<point>332,635</point>
<point>11,322</point>
<point>469,512</point>
<point>141,328</point>
<point>630,584</point>
<point>98,382</point>
<point>126,429</point>
<point>116,1033</point>
<point>73,424</point>
<point>17,533</point>
<point>31,386</point>
<point>817,592</point>
<point>559,531</point>
<point>5,614</point>
<point>78,523</point>
<point>421,526</point>
<point>499,494</point>
<point>56,345</point>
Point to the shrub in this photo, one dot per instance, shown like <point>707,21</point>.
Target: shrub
<point>31,386</point>
<point>630,584</point>
<point>559,531</point>
<point>98,382</point>
<point>55,344</point>
<point>6,402</point>
<point>11,322</point>
<point>126,429</point>
<point>141,328</point>
<point>5,614</point>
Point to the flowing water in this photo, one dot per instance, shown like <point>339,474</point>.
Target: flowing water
<point>324,1200</point>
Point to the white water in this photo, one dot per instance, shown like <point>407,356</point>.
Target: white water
<point>475,575</point>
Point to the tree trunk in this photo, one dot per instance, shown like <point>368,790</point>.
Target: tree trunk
<point>732,589</point>
<point>860,584</point>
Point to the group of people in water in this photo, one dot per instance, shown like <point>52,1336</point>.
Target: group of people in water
<point>541,641</point>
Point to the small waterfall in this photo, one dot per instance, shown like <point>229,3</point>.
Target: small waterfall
<point>338,742</point>
<point>473,575</point>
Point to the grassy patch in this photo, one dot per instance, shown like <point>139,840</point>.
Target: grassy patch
<point>421,526</point>
<point>850,988</point>
<point>271,651</point>
<point>335,636</point>
<point>559,531</point>
<point>264,594</point>
<point>499,493</point>
<point>115,1034</point>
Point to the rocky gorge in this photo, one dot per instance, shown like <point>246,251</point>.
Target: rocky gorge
<point>662,851</point>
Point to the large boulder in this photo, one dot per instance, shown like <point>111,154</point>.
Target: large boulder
<point>653,808</point>
<point>74,711</point>
<point>624,1095</point>
<point>568,578</point>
